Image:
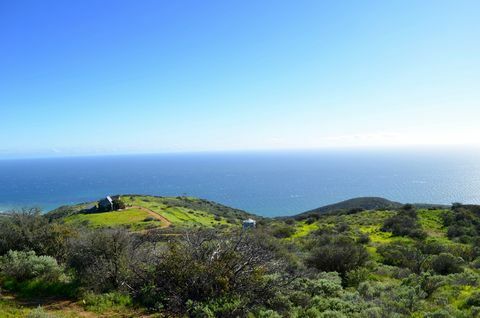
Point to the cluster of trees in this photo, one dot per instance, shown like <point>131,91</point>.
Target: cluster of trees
<point>255,273</point>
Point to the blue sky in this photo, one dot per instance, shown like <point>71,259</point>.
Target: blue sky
<point>101,77</point>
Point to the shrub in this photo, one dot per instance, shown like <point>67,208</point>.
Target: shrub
<point>339,305</point>
<point>310,220</point>
<point>426,282</point>
<point>442,313</point>
<point>398,254</point>
<point>446,263</point>
<point>404,223</point>
<point>332,314</point>
<point>219,307</point>
<point>39,312</point>
<point>118,204</point>
<point>29,230</point>
<point>356,276</point>
<point>203,266</point>
<point>101,258</point>
<point>363,238</point>
<point>283,231</point>
<point>22,266</point>
<point>103,302</point>
<point>267,314</point>
<point>324,284</point>
<point>431,247</point>
<point>462,223</point>
<point>464,278</point>
<point>476,263</point>
<point>342,227</point>
<point>473,300</point>
<point>339,254</point>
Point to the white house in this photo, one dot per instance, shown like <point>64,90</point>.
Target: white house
<point>249,223</point>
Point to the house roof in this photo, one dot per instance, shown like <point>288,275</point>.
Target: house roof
<point>249,221</point>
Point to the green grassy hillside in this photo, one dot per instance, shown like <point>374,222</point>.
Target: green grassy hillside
<point>134,219</point>
<point>363,203</point>
<point>146,212</point>
<point>449,235</point>
<point>359,204</point>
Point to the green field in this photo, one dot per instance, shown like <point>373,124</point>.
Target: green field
<point>179,211</point>
<point>172,209</point>
<point>431,222</point>
<point>132,218</point>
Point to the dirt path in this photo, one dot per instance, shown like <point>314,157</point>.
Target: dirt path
<point>52,305</point>
<point>166,222</point>
<point>59,307</point>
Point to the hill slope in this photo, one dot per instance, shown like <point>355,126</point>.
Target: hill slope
<point>144,212</point>
<point>407,261</point>
<point>362,203</point>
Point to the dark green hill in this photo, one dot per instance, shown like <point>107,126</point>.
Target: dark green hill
<point>362,203</point>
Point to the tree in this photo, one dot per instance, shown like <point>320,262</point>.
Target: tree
<point>118,204</point>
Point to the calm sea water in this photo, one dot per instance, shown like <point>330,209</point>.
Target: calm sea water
<point>268,183</point>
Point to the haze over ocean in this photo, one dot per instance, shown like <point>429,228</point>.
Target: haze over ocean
<point>266,183</point>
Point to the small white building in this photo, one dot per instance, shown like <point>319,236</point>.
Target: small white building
<point>249,223</point>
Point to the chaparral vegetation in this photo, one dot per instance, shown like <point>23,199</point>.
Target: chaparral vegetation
<point>185,257</point>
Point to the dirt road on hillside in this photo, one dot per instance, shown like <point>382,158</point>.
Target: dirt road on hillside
<point>166,222</point>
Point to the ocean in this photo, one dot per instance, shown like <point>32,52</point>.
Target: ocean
<point>272,183</point>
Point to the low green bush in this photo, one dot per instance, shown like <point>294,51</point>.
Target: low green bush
<point>337,254</point>
<point>404,224</point>
<point>22,266</point>
<point>30,275</point>
<point>100,303</point>
<point>473,300</point>
<point>446,263</point>
<point>38,287</point>
<point>402,255</point>
<point>356,276</point>
<point>220,307</point>
<point>283,231</point>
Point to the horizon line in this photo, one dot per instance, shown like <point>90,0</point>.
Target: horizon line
<point>59,155</point>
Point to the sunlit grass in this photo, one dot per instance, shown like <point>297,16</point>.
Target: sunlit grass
<point>10,309</point>
<point>134,218</point>
<point>303,229</point>
<point>432,223</point>
<point>176,214</point>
